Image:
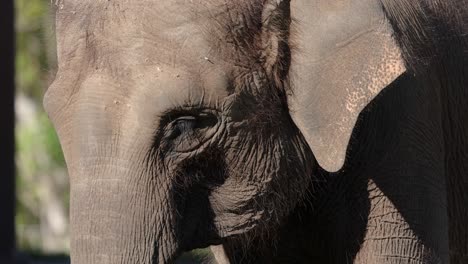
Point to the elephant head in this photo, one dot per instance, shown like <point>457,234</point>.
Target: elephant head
<point>176,118</point>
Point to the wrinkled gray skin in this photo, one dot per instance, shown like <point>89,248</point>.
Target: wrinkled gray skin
<point>185,124</point>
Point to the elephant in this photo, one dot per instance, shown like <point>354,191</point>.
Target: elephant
<point>276,131</point>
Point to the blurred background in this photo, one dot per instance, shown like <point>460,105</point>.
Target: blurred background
<point>41,220</point>
<point>41,179</point>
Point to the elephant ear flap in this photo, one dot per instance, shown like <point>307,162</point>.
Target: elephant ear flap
<point>276,21</point>
<point>345,56</point>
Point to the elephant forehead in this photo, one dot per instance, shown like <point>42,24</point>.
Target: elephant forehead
<point>141,49</point>
<point>123,33</point>
<point>167,87</point>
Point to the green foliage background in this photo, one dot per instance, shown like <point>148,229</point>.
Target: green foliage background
<point>33,58</point>
<point>41,174</point>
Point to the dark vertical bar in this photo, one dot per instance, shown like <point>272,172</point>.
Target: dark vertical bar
<point>7,145</point>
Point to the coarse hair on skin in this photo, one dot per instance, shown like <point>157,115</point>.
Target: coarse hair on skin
<point>259,32</point>
<point>429,32</point>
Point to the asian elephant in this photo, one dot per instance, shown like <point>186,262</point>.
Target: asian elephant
<point>303,131</point>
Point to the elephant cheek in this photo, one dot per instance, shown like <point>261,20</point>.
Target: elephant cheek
<point>232,205</point>
<point>119,216</point>
<point>266,182</point>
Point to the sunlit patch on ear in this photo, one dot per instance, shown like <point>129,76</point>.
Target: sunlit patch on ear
<point>374,79</point>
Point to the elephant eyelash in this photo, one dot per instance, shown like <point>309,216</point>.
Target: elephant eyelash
<point>186,111</point>
<point>201,118</point>
<point>173,114</point>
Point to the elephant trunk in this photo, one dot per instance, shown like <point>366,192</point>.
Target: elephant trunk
<point>120,209</point>
<point>118,216</point>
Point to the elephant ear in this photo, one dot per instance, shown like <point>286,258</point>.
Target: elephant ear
<point>345,56</point>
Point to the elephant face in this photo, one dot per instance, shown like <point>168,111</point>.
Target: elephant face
<point>174,121</point>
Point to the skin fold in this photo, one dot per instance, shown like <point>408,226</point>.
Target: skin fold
<point>277,131</point>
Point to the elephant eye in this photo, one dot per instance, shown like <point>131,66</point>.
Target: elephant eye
<point>198,121</point>
<point>179,126</point>
<point>189,125</point>
<point>185,123</point>
<point>185,130</point>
